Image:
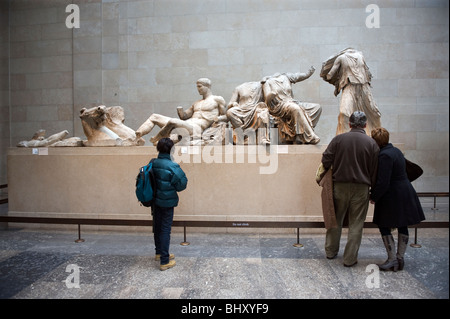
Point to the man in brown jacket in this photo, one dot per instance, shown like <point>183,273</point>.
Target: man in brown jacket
<point>354,159</point>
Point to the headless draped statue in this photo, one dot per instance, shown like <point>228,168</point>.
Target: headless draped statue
<point>296,120</point>
<point>349,73</point>
<point>247,110</point>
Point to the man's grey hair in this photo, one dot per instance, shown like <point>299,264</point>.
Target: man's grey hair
<point>358,119</point>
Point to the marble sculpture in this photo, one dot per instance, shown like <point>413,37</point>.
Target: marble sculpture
<point>200,116</point>
<point>296,120</point>
<point>349,73</point>
<point>104,126</point>
<point>247,110</point>
<point>58,139</point>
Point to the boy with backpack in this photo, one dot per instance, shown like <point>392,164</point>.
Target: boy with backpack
<point>169,179</point>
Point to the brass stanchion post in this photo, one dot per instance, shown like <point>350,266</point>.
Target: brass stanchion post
<point>415,244</point>
<point>297,244</point>
<point>185,243</point>
<point>79,240</point>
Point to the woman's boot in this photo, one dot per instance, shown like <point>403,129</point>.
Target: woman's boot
<point>391,263</point>
<point>402,244</point>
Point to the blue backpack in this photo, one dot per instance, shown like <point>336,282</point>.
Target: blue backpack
<point>146,185</point>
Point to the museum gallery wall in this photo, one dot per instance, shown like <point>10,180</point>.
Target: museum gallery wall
<point>130,60</point>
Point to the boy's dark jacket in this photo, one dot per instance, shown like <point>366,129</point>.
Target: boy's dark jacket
<point>170,179</point>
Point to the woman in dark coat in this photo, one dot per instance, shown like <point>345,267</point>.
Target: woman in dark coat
<point>396,201</point>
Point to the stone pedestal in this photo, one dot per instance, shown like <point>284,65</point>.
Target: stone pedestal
<point>224,182</point>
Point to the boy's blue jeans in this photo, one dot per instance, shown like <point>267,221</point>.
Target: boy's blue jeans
<point>162,222</point>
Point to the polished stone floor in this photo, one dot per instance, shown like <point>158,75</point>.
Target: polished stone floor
<point>48,264</point>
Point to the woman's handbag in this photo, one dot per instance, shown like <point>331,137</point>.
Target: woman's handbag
<point>413,170</point>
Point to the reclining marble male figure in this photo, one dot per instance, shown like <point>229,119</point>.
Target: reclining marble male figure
<point>195,120</point>
<point>39,139</point>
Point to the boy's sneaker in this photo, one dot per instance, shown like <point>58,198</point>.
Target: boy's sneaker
<point>168,265</point>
